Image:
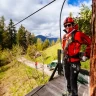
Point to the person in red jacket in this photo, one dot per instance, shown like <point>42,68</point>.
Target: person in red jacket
<point>71,44</point>
<point>36,63</point>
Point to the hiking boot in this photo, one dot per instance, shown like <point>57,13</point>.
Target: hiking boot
<point>67,94</point>
<point>70,94</point>
<point>64,94</point>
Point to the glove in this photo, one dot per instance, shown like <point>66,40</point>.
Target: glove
<point>84,58</point>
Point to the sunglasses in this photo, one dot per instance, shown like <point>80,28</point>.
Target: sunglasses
<point>67,25</point>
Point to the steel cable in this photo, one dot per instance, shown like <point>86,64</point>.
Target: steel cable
<point>34,13</point>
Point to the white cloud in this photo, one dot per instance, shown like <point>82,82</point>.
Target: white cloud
<point>45,21</point>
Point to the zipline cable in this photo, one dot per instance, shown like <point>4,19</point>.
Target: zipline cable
<point>34,13</point>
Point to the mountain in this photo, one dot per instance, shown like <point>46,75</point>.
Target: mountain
<point>44,37</point>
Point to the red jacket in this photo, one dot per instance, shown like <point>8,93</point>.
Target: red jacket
<point>73,48</point>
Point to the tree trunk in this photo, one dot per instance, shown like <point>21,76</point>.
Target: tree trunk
<point>93,52</point>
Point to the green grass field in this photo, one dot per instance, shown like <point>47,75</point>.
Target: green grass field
<point>17,79</point>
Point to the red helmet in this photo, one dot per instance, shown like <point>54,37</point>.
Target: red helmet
<point>68,20</point>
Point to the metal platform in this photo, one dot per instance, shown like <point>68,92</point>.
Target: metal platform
<point>56,87</point>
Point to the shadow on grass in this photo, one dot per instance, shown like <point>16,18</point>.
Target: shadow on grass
<point>4,66</point>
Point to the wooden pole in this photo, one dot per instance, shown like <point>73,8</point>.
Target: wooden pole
<point>57,66</point>
<point>93,52</point>
<point>59,61</point>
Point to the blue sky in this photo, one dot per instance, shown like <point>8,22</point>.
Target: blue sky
<point>76,2</point>
<point>46,21</point>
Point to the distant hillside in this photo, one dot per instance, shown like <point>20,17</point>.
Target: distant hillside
<point>44,37</point>
<point>51,53</point>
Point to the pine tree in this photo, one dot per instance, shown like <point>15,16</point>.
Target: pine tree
<point>39,44</point>
<point>28,38</point>
<point>21,37</point>
<point>12,33</point>
<point>84,19</point>
<point>52,42</point>
<point>1,31</point>
<point>46,44</point>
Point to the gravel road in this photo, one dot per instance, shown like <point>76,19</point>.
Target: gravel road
<point>39,66</point>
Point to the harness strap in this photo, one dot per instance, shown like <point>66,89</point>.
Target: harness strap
<point>74,56</point>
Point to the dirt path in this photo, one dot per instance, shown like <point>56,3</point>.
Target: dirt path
<point>39,66</point>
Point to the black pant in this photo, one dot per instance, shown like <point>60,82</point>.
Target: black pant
<point>71,73</point>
